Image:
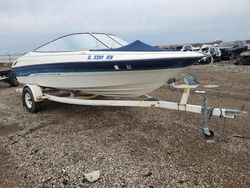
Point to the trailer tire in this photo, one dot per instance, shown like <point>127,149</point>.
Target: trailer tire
<point>28,101</point>
<point>12,80</point>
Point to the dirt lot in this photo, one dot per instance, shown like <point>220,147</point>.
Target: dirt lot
<point>132,147</point>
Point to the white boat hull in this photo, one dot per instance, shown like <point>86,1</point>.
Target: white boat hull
<point>122,84</point>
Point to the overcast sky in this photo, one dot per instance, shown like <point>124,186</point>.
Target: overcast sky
<point>26,24</point>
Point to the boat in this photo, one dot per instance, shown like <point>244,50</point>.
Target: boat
<point>101,64</point>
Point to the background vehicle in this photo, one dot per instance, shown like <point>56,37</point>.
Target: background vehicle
<point>231,50</point>
<point>211,52</point>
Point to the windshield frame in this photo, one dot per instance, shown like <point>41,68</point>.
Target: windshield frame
<point>88,33</point>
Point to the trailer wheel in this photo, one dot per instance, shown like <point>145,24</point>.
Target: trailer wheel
<point>28,100</point>
<point>13,82</point>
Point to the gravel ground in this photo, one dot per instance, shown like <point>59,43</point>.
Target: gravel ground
<point>132,147</point>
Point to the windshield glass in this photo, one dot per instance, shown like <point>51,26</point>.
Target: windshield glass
<point>119,40</point>
<point>79,42</point>
<point>107,40</point>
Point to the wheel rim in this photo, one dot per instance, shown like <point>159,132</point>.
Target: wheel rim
<point>28,100</point>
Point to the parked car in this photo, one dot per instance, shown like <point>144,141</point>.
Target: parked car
<point>231,50</point>
<point>212,53</point>
<point>248,47</point>
<point>189,47</point>
<point>186,47</point>
<point>244,59</point>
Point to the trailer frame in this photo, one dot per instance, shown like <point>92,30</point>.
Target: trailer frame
<point>33,96</point>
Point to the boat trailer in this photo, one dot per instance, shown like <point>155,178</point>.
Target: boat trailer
<point>8,76</point>
<point>33,96</point>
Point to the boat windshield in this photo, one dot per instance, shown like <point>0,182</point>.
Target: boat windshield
<point>82,41</point>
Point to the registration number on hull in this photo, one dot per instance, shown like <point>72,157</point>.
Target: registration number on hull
<point>100,57</point>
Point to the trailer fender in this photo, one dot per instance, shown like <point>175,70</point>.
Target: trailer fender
<point>36,92</point>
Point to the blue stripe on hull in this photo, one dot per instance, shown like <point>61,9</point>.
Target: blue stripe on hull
<point>103,66</point>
